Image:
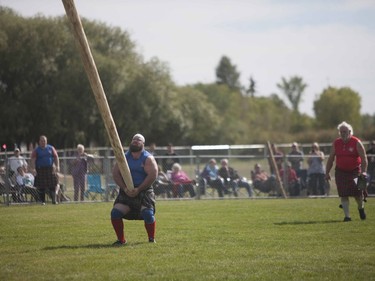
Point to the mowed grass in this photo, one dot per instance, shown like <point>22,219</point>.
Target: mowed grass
<point>262,239</point>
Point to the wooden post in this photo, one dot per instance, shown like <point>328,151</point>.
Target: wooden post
<point>97,88</point>
<point>274,167</point>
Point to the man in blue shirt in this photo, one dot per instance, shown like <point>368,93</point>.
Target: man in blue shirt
<point>46,166</point>
<point>138,203</point>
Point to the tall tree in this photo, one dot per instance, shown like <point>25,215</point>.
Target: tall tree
<point>293,89</point>
<point>42,76</point>
<point>252,87</point>
<point>336,105</point>
<point>198,117</point>
<point>226,73</point>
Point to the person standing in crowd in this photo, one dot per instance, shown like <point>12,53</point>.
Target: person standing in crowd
<point>316,171</point>
<point>295,157</point>
<point>138,203</point>
<point>351,162</point>
<point>46,166</point>
<point>279,158</point>
<point>79,171</point>
<point>371,162</point>
<point>169,161</point>
<point>152,149</point>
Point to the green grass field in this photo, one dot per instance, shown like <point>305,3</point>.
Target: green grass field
<point>262,239</point>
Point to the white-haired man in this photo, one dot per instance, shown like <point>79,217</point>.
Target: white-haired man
<point>351,162</point>
<point>138,203</point>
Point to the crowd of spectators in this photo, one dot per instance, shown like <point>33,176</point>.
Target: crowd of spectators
<point>298,173</point>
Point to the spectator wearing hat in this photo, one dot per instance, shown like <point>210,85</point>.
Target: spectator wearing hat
<point>17,161</point>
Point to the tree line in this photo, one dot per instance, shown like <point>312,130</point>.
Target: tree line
<point>44,90</point>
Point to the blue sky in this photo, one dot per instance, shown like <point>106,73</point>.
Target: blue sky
<point>327,42</point>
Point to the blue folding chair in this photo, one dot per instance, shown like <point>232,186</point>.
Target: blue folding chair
<point>94,187</point>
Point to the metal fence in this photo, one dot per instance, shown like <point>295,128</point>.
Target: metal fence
<point>100,186</point>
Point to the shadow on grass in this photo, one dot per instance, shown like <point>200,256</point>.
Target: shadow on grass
<point>306,222</point>
<point>90,246</point>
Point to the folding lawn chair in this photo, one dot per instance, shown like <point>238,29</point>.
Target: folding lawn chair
<point>94,187</point>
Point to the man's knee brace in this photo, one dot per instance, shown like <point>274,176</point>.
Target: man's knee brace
<point>148,215</point>
<point>116,214</point>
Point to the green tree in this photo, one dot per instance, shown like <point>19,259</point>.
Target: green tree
<point>226,73</point>
<point>268,118</point>
<point>336,105</point>
<point>147,104</point>
<point>368,127</point>
<point>252,87</point>
<point>30,58</point>
<point>47,84</point>
<point>199,119</point>
<point>293,89</point>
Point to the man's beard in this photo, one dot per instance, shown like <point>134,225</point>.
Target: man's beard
<point>135,148</point>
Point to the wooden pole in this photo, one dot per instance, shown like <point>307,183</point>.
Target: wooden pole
<point>274,167</point>
<point>97,88</point>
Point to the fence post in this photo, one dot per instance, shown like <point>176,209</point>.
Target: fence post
<point>107,169</point>
<point>197,169</point>
<point>7,181</point>
<point>66,169</point>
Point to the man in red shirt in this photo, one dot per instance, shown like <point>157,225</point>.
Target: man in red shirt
<point>351,161</point>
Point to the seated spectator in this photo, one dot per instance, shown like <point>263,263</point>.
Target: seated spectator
<point>232,179</point>
<point>181,182</point>
<point>261,180</point>
<point>162,184</point>
<point>23,177</point>
<point>210,176</point>
<point>25,184</point>
<point>291,181</point>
